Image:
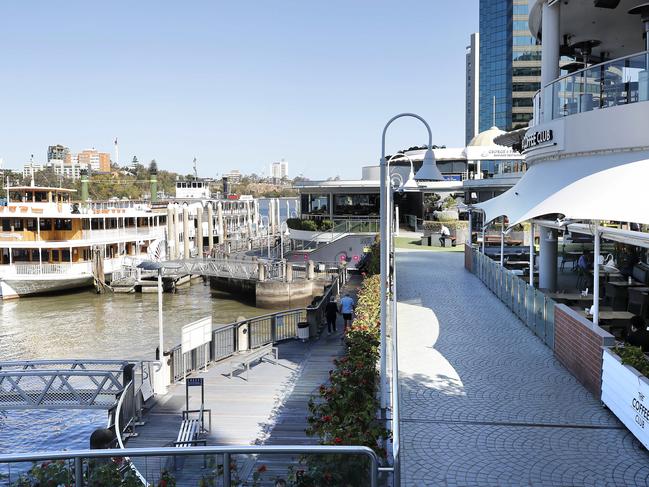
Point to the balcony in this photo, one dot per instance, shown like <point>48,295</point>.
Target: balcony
<point>613,83</point>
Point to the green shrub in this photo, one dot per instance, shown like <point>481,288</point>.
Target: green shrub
<point>633,356</point>
<point>436,227</point>
<point>325,225</point>
<point>294,223</point>
<point>309,225</point>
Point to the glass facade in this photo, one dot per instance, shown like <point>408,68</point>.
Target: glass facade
<point>510,65</point>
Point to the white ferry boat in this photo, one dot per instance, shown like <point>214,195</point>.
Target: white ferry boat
<point>49,243</point>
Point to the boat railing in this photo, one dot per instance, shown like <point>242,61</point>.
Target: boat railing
<point>56,268</point>
<point>142,232</point>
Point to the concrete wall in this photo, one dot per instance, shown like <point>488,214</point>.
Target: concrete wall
<point>275,294</point>
<point>243,287</point>
<point>578,346</point>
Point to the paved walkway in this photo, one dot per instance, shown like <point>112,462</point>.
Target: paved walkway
<point>484,402</point>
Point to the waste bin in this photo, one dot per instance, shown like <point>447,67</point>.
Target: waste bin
<point>303,330</point>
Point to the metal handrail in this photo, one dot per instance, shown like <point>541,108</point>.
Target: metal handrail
<point>595,66</point>
<point>79,455</point>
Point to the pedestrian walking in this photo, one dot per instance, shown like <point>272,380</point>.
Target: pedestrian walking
<point>331,314</point>
<point>347,308</point>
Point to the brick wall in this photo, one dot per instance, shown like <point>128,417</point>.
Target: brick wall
<point>468,258</point>
<point>578,346</point>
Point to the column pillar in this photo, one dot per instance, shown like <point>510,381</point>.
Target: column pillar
<point>469,239</point>
<point>550,55</point>
<point>219,217</point>
<point>176,246</point>
<point>532,253</point>
<point>548,258</point>
<point>249,219</point>
<point>185,232</point>
<point>210,226</point>
<point>199,230</point>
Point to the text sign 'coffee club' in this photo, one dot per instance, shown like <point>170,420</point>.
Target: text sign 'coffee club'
<point>535,139</point>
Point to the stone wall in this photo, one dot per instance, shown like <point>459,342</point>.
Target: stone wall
<point>578,346</point>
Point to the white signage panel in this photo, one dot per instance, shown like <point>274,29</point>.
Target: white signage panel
<point>196,334</point>
<point>626,393</point>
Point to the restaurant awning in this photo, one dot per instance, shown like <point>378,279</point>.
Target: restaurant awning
<point>607,187</point>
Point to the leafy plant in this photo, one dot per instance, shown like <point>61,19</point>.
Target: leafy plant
<point>633,356</point>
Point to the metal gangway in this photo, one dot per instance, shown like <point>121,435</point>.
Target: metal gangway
<point>62,384</point>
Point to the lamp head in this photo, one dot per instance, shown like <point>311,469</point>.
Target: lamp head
<point>429,170</point>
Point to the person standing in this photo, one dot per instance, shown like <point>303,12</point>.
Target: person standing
<point>347,308</point>
<point>331,314</point>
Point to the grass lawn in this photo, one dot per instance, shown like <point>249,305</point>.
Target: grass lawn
<point>410,243</point>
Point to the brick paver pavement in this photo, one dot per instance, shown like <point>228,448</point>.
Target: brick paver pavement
<point>484,402</point>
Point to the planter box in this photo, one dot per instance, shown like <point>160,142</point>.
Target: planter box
<point>625,391</point>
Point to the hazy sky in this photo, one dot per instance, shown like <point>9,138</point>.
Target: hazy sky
<point>237,84</point>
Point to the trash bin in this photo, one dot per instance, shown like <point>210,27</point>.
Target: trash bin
<point>303,331</point>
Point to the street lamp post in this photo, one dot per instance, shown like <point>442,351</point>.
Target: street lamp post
<point>163,375</point>
<point>282,234</point>
<point>267,232</point>
<point>428,171</point>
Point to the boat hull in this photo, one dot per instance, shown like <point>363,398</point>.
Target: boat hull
<point>30,286</point>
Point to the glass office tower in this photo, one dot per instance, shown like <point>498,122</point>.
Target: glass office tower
<point>510,65</point>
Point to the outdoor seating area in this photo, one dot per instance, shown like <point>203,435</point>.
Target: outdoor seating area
<point>623,277</point>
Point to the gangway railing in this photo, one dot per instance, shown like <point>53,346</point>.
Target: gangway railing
<point>259,331</point>
<point>76,467</point>
<point>61,384</point>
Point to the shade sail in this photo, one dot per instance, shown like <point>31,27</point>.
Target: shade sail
<point>607,187</point>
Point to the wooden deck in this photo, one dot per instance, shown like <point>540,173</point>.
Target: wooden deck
<point>270,408</point>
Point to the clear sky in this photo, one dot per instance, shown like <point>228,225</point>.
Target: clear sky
<point>236,84</point>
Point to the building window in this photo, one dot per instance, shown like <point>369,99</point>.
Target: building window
<point>315,204</point>
<point>356,204</point>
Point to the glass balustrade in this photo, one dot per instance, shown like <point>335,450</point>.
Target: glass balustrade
<point>618,82</point>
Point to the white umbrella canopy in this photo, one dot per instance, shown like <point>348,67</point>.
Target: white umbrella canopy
<point>610,187</point>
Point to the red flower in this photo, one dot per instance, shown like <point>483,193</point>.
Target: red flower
<point>338,440</point>
<point>262,469</point>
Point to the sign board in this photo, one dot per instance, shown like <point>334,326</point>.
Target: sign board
<point>196,334</point>
<point>537,138</point>
<point>626,393</point>
<point>195,381</point>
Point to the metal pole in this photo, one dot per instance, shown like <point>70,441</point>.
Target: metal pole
<point>160,327</point>
<point>384,248</point>
<point>502,243</point>
<point>78,471</point>
<point>226,470</point>
<point>596,274</point>
<point>396,439</point>
<point>531,253</point>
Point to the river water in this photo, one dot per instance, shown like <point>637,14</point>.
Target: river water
<point>88,325</point>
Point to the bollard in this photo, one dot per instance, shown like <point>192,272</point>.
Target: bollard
<point>261,272</point>
<point>310,270</point>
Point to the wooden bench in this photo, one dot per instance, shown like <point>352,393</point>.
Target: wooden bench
<point>254,356</point>
<point>190,432</point>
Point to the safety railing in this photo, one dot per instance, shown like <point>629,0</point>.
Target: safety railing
<point>531,306</point>
<point>252,333</point>
<point>103,467</point>
<point>617,82</point>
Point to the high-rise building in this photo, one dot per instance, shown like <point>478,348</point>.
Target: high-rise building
<point>279,170</point>
<point>96,161</point>
<point>57,152</point>
<point>510,65</point>
<point>472,88</point>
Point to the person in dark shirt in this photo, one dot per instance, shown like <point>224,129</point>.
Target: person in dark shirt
<point>638,335</point>
<point>331,313</point>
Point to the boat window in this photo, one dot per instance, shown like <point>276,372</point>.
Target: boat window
<point>30,223</point>
<point>18,225</point>
<point>6,225</point>
<point>40,196</point>
<point>45,224</point>
<point>65,255</point>
<point>63,224</point>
